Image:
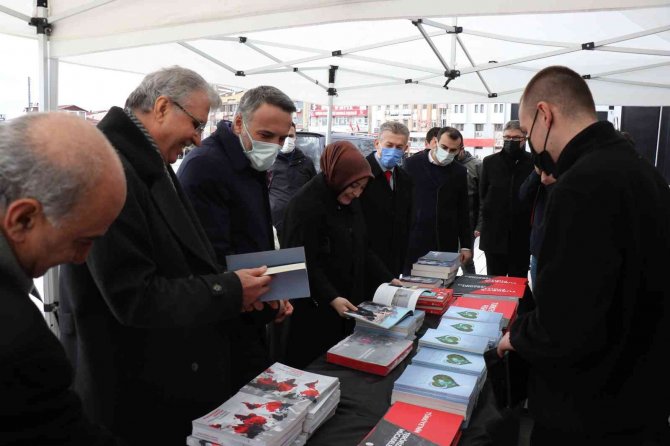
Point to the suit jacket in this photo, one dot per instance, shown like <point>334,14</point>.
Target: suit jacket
<point>442,219</point>
<point>37,405</point>
<point>388,215</point>
<point>144,319</point>
<point>598,340</point>
<point>504,218</point>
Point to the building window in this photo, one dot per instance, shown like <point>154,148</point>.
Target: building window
<point>458,127</point>
<point>497,127</point>
<point>479,127</point>
<point>462,108</point>
<point>495,108</point>
<point>482,109</point>
<point>424,106</point>
<point>476,108</point>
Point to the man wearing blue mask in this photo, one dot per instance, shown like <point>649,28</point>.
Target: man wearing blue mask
<point>441,219</point>
<point>226,180</point>
<point>387,199</point>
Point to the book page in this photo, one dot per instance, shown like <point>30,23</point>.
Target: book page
<point>284,268</point>
<point>400,297</point>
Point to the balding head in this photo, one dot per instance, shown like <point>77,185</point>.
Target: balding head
<point>61,185</point>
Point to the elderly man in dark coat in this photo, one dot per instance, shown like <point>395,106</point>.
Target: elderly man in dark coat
<point>145,319</point>
<point>597,342</point>
<point>62,186</point>
<point>387,199</point>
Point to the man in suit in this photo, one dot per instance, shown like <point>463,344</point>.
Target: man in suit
<point>597,342</point>
<point>226,180</point>
<point>145,320</point>
<point>387,199</point>
<point>62,186</point>
<point>442,220</point>
<point>504,220</point>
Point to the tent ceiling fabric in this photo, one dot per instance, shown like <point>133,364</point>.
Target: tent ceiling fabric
<point>522,38</point>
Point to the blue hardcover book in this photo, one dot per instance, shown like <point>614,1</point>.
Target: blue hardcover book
<point>450,341</point>
<point>470,314</point>
<point>458,327</point>
<point>286,266</point>
<point>461,362</point>
<point>436,383</point>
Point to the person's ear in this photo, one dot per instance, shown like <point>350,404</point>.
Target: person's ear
<point>21,217</point>
<point>546,114</point>
<point>161,108</point>
<point>237,124</point>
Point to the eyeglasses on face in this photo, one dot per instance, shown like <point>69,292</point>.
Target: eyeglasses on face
<point>198,125</point>
<point>515,138</point>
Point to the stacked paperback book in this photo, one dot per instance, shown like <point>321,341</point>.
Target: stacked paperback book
<point>410,425</point>
<point>491,287</point>
<point>438,265</point>
<point>421,282</point>
<point>435,300</point>
<point>280,407</point>
<point>376,353</point>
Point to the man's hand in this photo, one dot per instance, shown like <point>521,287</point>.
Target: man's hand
<point>466,255</point>
<point>285,310</point>
<point>340,304</point>
<point>477,233</point>
<point>254,285</point>
<point>504,345</point>
<point>396,282</point>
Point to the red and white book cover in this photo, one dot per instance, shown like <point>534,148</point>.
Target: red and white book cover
<point>370,352</point>
<point>490,286</point>
<point>508,308</point>
<point>412,425</point>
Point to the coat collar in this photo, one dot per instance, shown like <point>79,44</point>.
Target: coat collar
<point>229,143</point>
<point>598,133</point>
<point>374,165</point>
<point>292,157</point>
<point>9,266</point>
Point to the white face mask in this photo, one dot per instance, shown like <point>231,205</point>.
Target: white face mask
<point>289,145</point>
<point>262,154</point>
<point>444,157</point>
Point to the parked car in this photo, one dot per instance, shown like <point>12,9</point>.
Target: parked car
<point>313,143</point>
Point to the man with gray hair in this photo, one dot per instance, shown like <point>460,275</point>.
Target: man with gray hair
<point>387,199</point>
<point>61,186</point>
<point>226,180</point>
<point>144,320</point>
<point>504,219</point>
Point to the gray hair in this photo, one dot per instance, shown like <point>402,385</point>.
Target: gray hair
<point>395,127</point>
<point>176,83</point>
<point>27,172</point>
<point>254,98</point>
<point>513,125</point>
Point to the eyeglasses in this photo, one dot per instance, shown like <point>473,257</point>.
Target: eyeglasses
<point>515,138</point>
<point>198,125</point>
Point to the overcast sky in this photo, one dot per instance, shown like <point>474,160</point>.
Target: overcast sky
<point>89,88</point>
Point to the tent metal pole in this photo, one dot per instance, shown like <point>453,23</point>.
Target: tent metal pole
<point>632,36</point>
<point>366,73</point>
<point>489,66</point>
<point>271,57</point>
<point>645,51</point>
<point>472,62</point>
<point>503,38</point>
<point>394,64</point>
<point>658,136</point>
<point>423,32</point>
<point>332,91</point>
<point>453,43</point>
<point>13,13</point>
<point>630,70</point>
<point>53,84</point>
<point>639,84</point>
<point>275,44</point>
<point>207,56</point>
<point>79,10</point>
<point>288,63</point>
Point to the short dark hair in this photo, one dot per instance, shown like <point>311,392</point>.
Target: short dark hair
<point>252,99</point>
<point>563,87</point>
<point>432,133</point>
<point>451,132</point>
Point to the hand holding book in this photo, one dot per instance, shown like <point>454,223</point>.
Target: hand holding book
<point>342,305</point>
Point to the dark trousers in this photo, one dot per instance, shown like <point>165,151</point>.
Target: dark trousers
<point>514,264</point>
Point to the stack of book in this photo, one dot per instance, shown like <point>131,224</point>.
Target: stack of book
<point>453,361</point>
<point>458,327</point>
<point>410,425</point>
<point>405,329</point>
<point>438,265</point>
<point>506,307</point>
<point>437,389</point>
<point>450,341</point>
<point>435,300</point>
<point>375,353</point>
<point>420,282</point>
<point>491,287</point>
<point>274,409</point>
<point>470,314</point>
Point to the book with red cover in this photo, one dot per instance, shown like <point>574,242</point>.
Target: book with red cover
<point>370,352</point>
<point>507,307</point>
<point>501,287</point>
<point>412,425</point>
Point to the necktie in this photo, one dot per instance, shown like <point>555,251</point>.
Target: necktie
<point>388,175</point>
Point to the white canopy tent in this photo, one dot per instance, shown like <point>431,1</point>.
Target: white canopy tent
<point>369,52</point>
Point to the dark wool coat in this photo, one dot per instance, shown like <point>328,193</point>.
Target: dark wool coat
<point>442,215</point>
<point>598,340</point>
<point>339,264</point>
<point>388,215</point>
<point>37,404</point>
<point>144,319</point>
<point>504,219</point>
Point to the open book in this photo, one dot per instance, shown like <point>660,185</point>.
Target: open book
<point>390,305</point>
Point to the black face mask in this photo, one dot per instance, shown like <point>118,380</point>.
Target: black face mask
<point>541,160</point>
<point>513,149</point>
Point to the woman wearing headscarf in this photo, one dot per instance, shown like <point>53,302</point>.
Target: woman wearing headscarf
<point>325,217</point>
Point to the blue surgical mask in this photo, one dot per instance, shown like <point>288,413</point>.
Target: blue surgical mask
<point>390,157</point>
<point>262,154</point>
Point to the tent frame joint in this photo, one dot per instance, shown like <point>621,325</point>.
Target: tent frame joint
<point>586,76</point>
<point>588,46</point>
<point>42,25</point>
<point>337,53</point>
<point>242,39</point>
<point>493,95</point>
<point>240,73</point>
<point>455,30</point>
